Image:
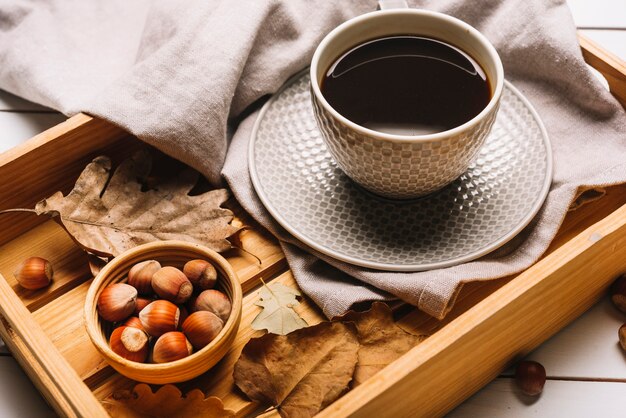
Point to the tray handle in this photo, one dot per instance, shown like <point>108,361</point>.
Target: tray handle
<point>73,399</point>
<point>610,65</point>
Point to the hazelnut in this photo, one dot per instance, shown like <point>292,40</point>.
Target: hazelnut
<point>34,273</point>
<point>159,317</point>
<point>140,276</point>
<point>142,303</point>
<point>184,313</point>
<point>117,302</point>
<point>172,284</point>
<point>201,274</point>
<point>201,328</point>
<point>622,336</point>
<point>171,346</point>
<point>618,293</point>
<point>134,322</point>
<point>130,343</point>
<point>213,301</point>
<point>530,377</point>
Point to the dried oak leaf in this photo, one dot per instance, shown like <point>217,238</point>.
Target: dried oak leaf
<point>168,401</point>
<point>278,316</point>
<point>300,373</point>
<point>107,215</point>
<point>381,340</point>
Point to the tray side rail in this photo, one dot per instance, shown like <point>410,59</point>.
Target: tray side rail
<point>67,394</point>
<point>608,64</point>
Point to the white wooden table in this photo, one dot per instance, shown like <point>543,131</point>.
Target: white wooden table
<point>586,367</point>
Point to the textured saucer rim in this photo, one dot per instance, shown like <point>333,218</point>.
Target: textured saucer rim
<point>470,256</point>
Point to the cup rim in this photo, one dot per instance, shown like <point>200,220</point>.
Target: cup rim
<point>470,124</point>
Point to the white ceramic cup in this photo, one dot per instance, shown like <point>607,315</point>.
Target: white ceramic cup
<point>402,166</point>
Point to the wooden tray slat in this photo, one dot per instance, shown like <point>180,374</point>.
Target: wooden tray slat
<point>50,241</point>
<point>67,332</point>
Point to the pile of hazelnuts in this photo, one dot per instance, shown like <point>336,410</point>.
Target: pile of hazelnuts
<point>150,312</point>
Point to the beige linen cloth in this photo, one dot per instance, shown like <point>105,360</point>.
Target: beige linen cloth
<point>186,76</point>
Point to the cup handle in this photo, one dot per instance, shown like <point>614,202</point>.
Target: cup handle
<point>392,4</point>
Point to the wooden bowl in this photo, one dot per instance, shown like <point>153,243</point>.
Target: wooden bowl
<point>168,253</point>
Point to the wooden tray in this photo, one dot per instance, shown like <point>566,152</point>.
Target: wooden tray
<point>493,323</point>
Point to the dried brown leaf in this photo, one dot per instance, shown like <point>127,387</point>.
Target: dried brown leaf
<point>302,372</point>
<point>381,340</point>
<point>168,401</point>
<point>96,263</point>
<point>107,215</point>
<point>278,316</point>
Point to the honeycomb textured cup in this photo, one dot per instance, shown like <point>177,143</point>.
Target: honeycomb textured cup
<point>401,169</point>
<point>403,166</point>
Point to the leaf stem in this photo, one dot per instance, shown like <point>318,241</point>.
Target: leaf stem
<point>17,210</point>
<point>268,410</point>
<point>268,288</point>
<point>249,253</point>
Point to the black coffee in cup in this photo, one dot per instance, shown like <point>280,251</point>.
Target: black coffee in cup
<point>406,85</point>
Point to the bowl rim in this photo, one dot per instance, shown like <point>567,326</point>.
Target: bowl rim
<point>93,327</point>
